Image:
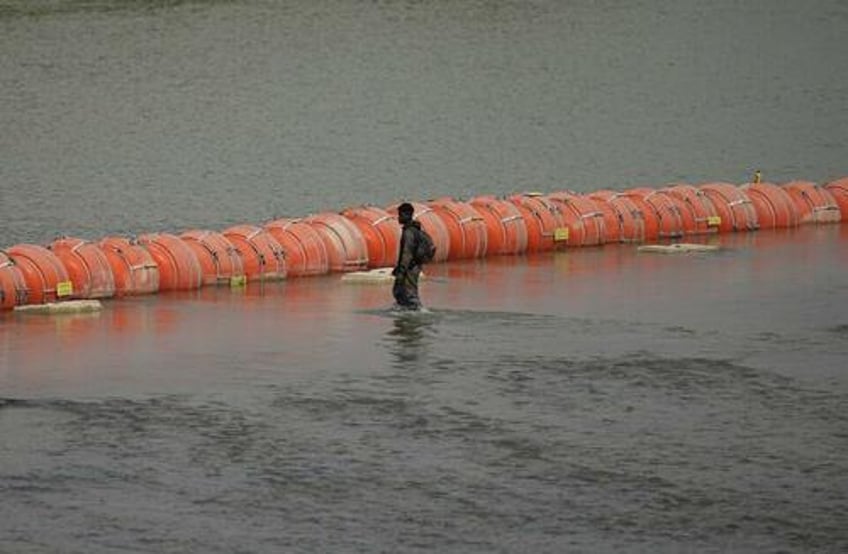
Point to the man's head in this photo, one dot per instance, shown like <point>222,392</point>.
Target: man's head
<point>405,212</point>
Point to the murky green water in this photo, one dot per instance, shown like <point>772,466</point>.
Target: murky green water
<point>133,116</point>
<point>598,400</point>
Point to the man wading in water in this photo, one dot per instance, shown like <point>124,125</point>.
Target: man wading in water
<point>416,249</point>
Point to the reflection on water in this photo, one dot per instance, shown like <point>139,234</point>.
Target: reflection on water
<point>411,337</point>
<point>544,400</point>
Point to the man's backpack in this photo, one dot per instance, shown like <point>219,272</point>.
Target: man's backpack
<point>425,249</point>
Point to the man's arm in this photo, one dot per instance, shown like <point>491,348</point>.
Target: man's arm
<point>407,248</point>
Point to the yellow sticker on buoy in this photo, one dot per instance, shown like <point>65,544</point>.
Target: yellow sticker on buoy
<point>238,281</point>
<point>713,221</point>
<point>65,288</point>
<point>560,233</point>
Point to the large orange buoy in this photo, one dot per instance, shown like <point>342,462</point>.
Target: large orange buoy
<point>623,219</point>
<point>672,221</point>
<point>44,274</point>
<point>303,246</point>
<point>466,228</point>
<point>583,218</point>
<point>133,268</point>
<point>13,289</point>
<point>87,267</point>
<point>732,205</point>
<point>773,205</point>
<point>179,268</point>
<point>507,231</point>
<point>433,224</point>
<point>815,204</point>
<point>544,222</point>
<point>381,232</point>
<point>704,218</point>
<point>613,221</point>
<point>262,257</point>
<point>839,190</point>
<point>346,247</point>
<point>220,262</point>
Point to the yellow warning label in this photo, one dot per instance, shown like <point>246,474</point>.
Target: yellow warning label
<point>713,221</point>
<point>238,281</point>
<point>560,233</point>
<point>65,288</point>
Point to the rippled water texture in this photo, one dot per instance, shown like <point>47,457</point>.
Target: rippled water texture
<point>595,400</point>
<point>137,116</point>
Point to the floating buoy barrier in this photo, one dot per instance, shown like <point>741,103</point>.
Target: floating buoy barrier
<point>773,205</point>
<point>177,263</point>
<point>220,261</point>
<point>263,258</point>
<point>702,213</point>
<point>45,276</point>
<point>581,217</point>
<point>839,191</point>
<point>734,208</point>
<point>381,233</point>
<point>345,245</point>
<point>303,246</point>
<point>468,236</point>
<point>631,219</point>
<point>814,203</point>
<point>87,268</point>
<point>433,224</point>
<point>133,267</point>
<point>666,211</point>
<point>543,220</point>
<point>507,230</point>
<point>361,242</point>
<point>677,248</point>
<point>13,289</point>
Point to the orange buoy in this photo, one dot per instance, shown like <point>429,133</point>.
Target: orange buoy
<point>87,267</point>
<point>583,218</point>
<point>774,207</point>
<point>345,245</point>
<point>684,213</point>
<point>613,221</point>
<point>44,274</point>
<point>133,268</point>
<point>13,289</point>
<point>381,232</point>
<point>623,220</point>
<point>262,257</point>
<point>732,205</point>
<point>815,204</point>
<point>839,190</point>
<point>544,221</point>
<point>220,262</point>
<point>506,229</point>
<point>704,218</point>
<point>178,266</point>
<point>672,222</point>
<point>303,246</point>
<point>468,237</point>
<point>434,225</point>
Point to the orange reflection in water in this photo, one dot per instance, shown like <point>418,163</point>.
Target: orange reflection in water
<point>295,315</point>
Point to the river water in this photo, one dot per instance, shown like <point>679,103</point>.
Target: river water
<point>596,400</point>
